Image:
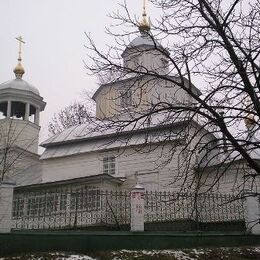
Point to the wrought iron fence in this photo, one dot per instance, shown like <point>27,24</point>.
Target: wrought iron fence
<point>215,207</point>
<point>81,207</point>
<point>167,206</point>
<point>206,207</point>
<point>70,208</point>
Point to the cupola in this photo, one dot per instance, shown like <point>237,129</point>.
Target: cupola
<point>145,53</point>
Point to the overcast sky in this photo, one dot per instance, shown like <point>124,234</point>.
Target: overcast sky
<point>54,34</point>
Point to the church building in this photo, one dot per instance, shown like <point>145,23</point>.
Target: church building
<point>91,174</point>
<point>159,152</point>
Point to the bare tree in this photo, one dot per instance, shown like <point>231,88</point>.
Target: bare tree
<point>72,115</point>
<point>214,41</point>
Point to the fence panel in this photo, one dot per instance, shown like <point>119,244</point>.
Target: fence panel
<point>81,207</point>
<point>70,208</point>
<point>208,207</point>
<point>219,207</point>
<point>167,206</point>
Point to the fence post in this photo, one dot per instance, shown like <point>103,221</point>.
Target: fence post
<point>137,208</point>
<point>6,202</point>
<point>252,213</point>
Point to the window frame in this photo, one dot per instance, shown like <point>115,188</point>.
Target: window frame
<point>106,160</point>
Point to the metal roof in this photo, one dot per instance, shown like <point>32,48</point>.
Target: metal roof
<point>90,137</point>
<point>19,84</point>
<point>144,40</point>
<point>100,129</point>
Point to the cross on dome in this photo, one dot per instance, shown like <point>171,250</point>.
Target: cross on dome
<point>19,70</point>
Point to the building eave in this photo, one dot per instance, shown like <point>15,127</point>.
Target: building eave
<point>223,164</point>
<point>23,152</point>
<point>109,135</point>
<point>17,94</point>
<point>81,180</point>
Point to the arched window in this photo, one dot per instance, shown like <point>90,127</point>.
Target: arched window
<point>17,110</point>
<point>3,110</point>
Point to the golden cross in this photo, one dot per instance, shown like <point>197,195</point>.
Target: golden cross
<point>20,40</point>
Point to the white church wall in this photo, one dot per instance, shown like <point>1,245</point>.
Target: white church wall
<point>20,133</point>
<point>159,165</point>
<point>144,93</point>
<point>143,59</point>
<point>149,166</point>
<point>15,163</point>
<point>166,91</point>
<point>70,167</point>
<point>106,102</point>
<point>228,178</point>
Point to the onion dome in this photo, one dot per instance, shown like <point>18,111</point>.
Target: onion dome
<point>144,39</point>
<point>249,121</point>
<point>19,70</point>
<point>249,118</point>
<point>18,83</point>
<point>144,24</point>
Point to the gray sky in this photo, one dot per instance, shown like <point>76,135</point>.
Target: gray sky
<point>54,34</point>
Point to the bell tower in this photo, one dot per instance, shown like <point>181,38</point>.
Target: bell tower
<point>20,107</point>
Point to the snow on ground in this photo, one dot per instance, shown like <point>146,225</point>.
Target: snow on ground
<point>185,254</point>
<point>177,254</point>
<point>51,256</point>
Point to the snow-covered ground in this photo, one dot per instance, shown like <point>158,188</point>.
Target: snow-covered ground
<point>185,254</point>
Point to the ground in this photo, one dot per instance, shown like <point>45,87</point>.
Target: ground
<point>185,254</point>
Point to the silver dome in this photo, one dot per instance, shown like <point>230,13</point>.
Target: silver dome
<point>144,40</point>
<point>19,84</point>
